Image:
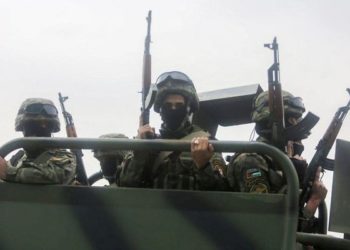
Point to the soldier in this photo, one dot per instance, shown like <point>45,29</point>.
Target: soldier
<point>251,172</point>
<point>111,160</point>
<point>176,101</point>
<point>38,117</point>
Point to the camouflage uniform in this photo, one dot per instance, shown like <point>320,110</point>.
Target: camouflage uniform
<point>252,172</point>
<point>50,167</point>
<point>249,172</point>
<point>54,166</point>
<point>174,170</point>
<point>110,160</point>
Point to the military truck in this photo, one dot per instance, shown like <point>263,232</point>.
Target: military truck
<point>86,217</point>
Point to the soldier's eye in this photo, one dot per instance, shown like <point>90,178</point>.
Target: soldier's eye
<point>167,105</point>
<point>177,105</point>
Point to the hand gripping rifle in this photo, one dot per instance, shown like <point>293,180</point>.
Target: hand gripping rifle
<point>71,132</point>
<point>280,134</point>
<point>322,149</point>
<point>146,73</point>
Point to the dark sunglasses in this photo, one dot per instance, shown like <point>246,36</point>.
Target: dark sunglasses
<point>41,109</point>
<point>174,75</point>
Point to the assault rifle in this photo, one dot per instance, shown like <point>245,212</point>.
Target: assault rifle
<point>146,73</point>
<point>71,132</point>
<point>280,134</point>
<point>276,106</point>
<point>322,149</point>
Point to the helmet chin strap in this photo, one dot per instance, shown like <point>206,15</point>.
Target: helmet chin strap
<point>190,117</point>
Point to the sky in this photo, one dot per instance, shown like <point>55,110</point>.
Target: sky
<point>92,52</point>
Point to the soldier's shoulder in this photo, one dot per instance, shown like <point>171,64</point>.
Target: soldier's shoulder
<point>61,157</point>
<point>250,158</point>
<point>61,153</point>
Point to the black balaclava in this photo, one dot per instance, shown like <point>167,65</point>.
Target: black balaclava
<point>36,129</point>
<point>176,121</point>
<point>109,165</point>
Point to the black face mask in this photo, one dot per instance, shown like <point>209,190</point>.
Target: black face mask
<point>173,118</point>
<point>36,130</point>
<point>109,165</point>
<point>298,148</point>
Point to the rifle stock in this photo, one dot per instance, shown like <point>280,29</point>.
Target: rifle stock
<point>71,132</point>
<point>322,150</point>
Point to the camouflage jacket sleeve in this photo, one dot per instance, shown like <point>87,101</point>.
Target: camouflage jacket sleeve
<point>247,172</point>
<point>50,167</point>
<point>139,171</point>
<point>136,169</point>
<point>212,176</point>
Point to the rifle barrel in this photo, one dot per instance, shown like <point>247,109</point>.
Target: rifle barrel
<point>146,71</point>
<point>71,132</point>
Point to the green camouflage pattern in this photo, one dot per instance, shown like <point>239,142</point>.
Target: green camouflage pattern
<point>172,170</point>
<point>248,172</point>
<point>98,154</point>
<point>50,167</point>
<point>252,172</point>
<point>261,112</point>
<point>22,117</point>
<point>176,87</point>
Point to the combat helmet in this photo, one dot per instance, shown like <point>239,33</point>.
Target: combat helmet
<point>293,107</point>
<point>98,154</point>
<point>36,110</point>
<point>175,82</point>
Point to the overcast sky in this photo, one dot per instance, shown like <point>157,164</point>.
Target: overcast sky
<point>92,51</point>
